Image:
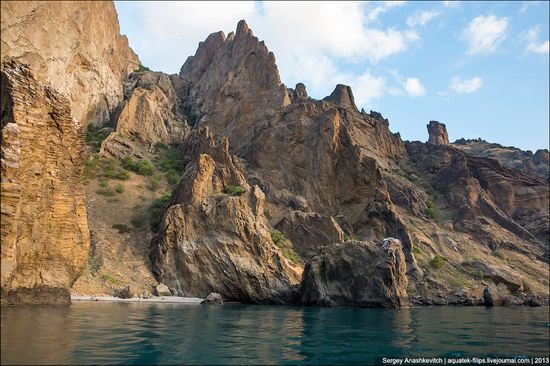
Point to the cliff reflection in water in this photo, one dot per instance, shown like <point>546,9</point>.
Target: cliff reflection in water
<point>102,333</point>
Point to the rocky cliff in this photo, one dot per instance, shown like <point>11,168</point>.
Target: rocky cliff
<point>330,173</point>
<point>75,46</point>
<point>45,238</point>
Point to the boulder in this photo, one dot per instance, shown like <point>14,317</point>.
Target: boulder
<point>357,273</point>
<point>213,299</point>
<point>500,275</point>
<point>126,292</point>
<point>162,290</point>
<point>493,296</point>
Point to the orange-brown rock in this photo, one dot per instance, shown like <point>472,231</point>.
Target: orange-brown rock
<point>308,232</point>
<point>45,238</point>
<point>210,241</point>
<point>75,46</point>
<point>437,133</point>
<point>149,114</point>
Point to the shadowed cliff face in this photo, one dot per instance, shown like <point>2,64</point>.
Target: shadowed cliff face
<point>45,237</point>
<point>74,46</point>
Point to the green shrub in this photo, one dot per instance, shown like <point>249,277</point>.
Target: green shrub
<point>141,167</point>
<point>121,175</point>
<point>438,261</point>
<point>90,167</point>
<point>104,183</point>
<point>417,250</point>
<point>478,274</point>
<point>142,68</point>
<point>431,210</point>
<point>119,188</point>
<point>234,190</point>
<point>191,119</point>
<point>156,209</point>
<point>128,163</point>
<point>172,177</point>
<point>171,159</point>
<point>286,246</point>
<point>95,136</point>
<point>144,167</point>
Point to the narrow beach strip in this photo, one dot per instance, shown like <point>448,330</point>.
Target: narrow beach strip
<point>155,299</point>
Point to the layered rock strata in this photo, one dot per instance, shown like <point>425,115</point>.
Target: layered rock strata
<point>45,238</point>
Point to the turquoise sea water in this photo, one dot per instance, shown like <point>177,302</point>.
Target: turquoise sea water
<point>133,333</point>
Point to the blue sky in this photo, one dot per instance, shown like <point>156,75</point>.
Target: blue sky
<point>482,68</point>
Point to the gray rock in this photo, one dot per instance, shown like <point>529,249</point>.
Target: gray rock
<point>357,273</point>
<point>492,296</point>
<point>125,292</point>
<point>162,290</point>
<point>213,299</point>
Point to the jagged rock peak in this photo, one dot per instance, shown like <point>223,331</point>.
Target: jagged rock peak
<point>242,29</point>
<point>342,96</point>
<point>437,133</point>
<point>196,65</point>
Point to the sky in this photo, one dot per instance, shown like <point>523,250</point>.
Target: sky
<point>482,68</point>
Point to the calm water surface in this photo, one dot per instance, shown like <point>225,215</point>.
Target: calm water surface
<point>127,333</point>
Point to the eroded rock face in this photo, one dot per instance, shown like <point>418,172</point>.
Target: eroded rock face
<point>74,46</point>
<point>149,114</point>
<point>357,273</point>
<point>214,242</point>
<point>45,238</point>
<point>437,133</point>
<point>308,232</point>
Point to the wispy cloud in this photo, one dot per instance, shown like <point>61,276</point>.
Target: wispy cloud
<point>527,4</point>
<point>383,7</point>
<point>484,33</point>
<point>421,17</point>
<point>467,85</point>
<point>531,38</point>
<point>414,87</point>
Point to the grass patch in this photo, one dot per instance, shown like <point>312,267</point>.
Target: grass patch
<point>95,136</point>
<point>97,167</point>
<point>156,208</point>
<point>107,192</point>
<point>431,210</point>
<point>286,246</point>
<point>234,190</point>
<point>108,278</point>
<point>119,188</point>
<point>438,261</point>
<point>417,250</point>
<point>478,274</point>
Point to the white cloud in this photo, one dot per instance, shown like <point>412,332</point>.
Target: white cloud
<point>421,18</point>
<point>414,87</point>
<point>366,87</point>
<point>451,4</point>
<point>531,38</point>
<point>484,33</point>
<point>384,6</point>
<point>466,86</point>
<point>309,49</point>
